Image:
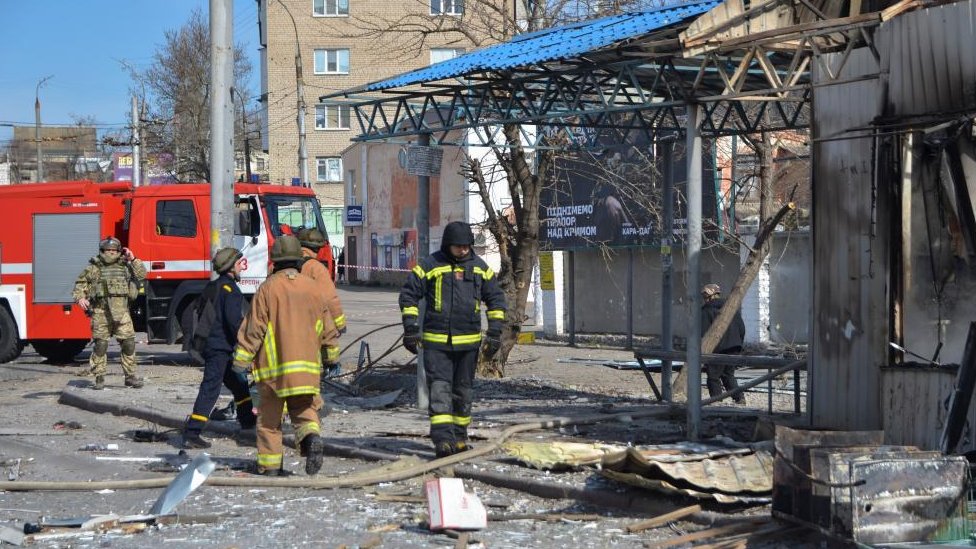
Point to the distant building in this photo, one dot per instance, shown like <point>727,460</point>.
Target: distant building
<point>65,152</point>
<point>337,53</point>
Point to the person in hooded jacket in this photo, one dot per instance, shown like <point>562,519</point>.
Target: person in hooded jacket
<point>453,282</point>
<point>228,303</point>
<point>722,375</point>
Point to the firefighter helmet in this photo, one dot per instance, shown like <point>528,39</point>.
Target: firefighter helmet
<point>286,248</point>
<point>711,290</point>
<point>225,258</point>
<point>110,243</point>
<point>311,238</point>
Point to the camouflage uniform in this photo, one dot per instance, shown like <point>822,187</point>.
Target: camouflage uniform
<point>109,287</point>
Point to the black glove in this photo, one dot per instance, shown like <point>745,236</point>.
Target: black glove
<point>493,342</point>
<point>342,331</point>
<point>411,339</point>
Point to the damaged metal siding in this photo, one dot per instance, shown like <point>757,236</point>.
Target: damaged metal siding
<point>930,58</point>
<point>849,324</point>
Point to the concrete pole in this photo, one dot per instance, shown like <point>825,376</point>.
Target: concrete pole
<point>693,153</point>
<point>423,249</point>
<point>136,149</point>
<point>667,264</point>
<point>221,124</point>
<point>423,206</point>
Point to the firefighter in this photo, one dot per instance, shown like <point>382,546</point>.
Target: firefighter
<point>103,290</point>
<point>453,282</point>
<point>312,241</point>
<point>721,375</point>
<point>279,343</point>
<point>224,320</point>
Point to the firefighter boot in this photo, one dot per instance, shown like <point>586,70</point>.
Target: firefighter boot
<point>462,446</point>
<point>134,381</point>
<point>195,441</point>
<point>99,383</point>
<point>312,448</point>
<point>444,449</point>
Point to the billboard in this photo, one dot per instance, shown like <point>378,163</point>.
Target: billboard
<point>612,197</point>
<point>158,168</point>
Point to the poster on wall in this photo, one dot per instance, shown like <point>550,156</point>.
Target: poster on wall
<point>611,196</point>
<point>408,252</point>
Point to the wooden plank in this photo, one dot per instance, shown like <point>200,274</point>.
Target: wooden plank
<point>661,520</point>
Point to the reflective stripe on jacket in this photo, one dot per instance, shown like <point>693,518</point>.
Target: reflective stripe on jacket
<point>283,333</point>
<point>453,291</point>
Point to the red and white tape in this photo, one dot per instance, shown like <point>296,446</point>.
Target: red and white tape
<point>372,268</point>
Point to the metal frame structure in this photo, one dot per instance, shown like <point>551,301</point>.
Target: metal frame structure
<point>697,79</point>
<point>645,83</point>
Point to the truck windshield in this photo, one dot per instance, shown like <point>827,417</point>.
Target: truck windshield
<point>290,214</point>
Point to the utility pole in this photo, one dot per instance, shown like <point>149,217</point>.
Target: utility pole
<point>221,124</point>
<point>299,84</point>
<point>37,126</point>
<point>247,144</point>
<point>136,152</point>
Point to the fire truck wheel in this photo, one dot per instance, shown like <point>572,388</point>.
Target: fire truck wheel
<point>59,351</point>
<point>10,344</point>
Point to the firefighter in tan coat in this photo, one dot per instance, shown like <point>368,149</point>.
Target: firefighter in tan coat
<point>279,343</point>
<point>312,241</point>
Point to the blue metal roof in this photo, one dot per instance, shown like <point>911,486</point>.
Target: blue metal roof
<point>551,44</point>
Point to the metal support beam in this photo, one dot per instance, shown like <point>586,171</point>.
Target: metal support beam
<point>693,157</point>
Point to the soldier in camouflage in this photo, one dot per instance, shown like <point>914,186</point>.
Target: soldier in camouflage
<point>103,290</point>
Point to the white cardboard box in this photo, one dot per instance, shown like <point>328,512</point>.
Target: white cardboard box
<point>451,507</point>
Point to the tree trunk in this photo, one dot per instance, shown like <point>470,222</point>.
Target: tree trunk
<point>518,245</point>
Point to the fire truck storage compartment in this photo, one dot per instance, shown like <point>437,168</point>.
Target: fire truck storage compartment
<point>63,244</point>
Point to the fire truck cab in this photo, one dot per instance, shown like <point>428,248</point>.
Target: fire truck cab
<point>51,230</point>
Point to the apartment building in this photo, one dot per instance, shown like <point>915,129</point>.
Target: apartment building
<point>341,44</point>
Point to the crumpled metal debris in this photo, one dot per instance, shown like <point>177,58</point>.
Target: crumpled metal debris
<point>725,474</point>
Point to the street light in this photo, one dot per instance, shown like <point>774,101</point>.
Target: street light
<point>37,126</point>
<point>302,151</point>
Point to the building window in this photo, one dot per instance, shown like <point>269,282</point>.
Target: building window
<point>330,8</point>
<point>261,164</point>
<point>328,169</point>
<point>446,7</point>
<point>176,218</point>
<point>443,54</point>
<point>332,117</point>
<point>331,61</point>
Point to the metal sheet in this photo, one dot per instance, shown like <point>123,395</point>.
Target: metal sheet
<point>849,331</point>
<point>551,44</point>
<point>930,58</point>
<point>906,500</point>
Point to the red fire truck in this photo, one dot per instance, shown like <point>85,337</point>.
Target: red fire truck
<point>48,232</point>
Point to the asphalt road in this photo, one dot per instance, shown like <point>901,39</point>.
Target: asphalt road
<point>537,386</point>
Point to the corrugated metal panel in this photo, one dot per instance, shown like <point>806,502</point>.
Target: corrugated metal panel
<point>849,324</point>
<point>930,57</point>
<point>551,44</point>
<point>56,266</point>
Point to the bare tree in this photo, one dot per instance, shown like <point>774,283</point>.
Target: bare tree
<point>176,91</point>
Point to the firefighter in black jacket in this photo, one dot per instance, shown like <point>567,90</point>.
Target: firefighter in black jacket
<point>228,303</point>
<point>453,282</point>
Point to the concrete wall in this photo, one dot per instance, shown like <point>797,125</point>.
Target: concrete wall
<point>602,305</point>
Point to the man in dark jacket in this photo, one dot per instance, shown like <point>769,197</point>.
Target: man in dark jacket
<point>228,303</point>
<point>453,282</point>
<point>720,375</point>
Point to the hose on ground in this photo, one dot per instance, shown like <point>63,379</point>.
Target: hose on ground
<point>367,478</point>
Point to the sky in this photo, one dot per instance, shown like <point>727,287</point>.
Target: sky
<point>83,45</point>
